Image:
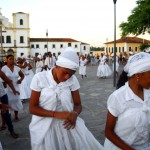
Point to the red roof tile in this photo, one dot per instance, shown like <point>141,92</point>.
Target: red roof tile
<point>52,40</point>
<point>130,40</point>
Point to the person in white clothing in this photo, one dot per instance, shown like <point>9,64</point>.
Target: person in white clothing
<point>5,115</point>
<point>39,64</point>
<point>49,61</point>
<point>128,119</point>
<point>103,70</point>
<point>24,87</point>
<point>82,68</point>
<point>16,75</point>
<point>55,105</point>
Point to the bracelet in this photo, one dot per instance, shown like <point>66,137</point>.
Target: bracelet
<point>53,114</point>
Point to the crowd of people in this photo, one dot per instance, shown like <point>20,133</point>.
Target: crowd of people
<point>55,102</point>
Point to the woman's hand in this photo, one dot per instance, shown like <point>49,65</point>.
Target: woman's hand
<point>16,92</point>
<point>19,81</point>
<point>70,121</point>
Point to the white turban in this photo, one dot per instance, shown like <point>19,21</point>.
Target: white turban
<point>68,59</point>
<point>39,56</point>
<point>138,63</point>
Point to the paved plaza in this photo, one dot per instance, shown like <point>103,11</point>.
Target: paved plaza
<point>94,93</point>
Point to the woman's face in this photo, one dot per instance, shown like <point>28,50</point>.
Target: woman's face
<point>64,74</point>
<point>10,60</point>
<point>145,79</point>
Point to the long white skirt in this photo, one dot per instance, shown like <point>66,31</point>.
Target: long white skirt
<point>14,101</point>
<point>24,88</point>
<point>104,71</point>
<point>59,138</point>
<point>82,70</point>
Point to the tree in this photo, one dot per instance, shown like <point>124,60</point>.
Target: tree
<point>144,46</point>
<point>139,20</point>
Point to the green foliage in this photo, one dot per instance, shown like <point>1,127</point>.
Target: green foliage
<point>96,48</point>
<point>139,21</point>
<point>144,46</point>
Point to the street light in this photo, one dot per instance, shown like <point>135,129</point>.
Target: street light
<point>114,83</point>
<point>47,39</point>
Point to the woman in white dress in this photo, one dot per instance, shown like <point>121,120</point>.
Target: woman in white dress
<point>55,103</point>
<point>24,87</point>
<point>103,70</point>
<point>82,68</point>
<point>39,64</point>
<point>13,73</point>
<point>128,119</point>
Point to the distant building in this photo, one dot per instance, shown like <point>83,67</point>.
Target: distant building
<point>56,45</point>
<point>126,45</point>
<point>15,39</point>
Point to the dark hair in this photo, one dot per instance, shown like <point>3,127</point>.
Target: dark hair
<point>122,80</point>
<point>10,55</point>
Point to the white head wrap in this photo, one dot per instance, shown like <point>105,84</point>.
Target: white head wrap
<point>68,59</point>
<point>137,63</point>
<point>131,53</point>
<point>39,56</point>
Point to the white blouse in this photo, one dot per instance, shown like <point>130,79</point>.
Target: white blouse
<point>133,118</point>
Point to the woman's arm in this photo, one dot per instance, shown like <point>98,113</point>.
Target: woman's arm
<point>21,77</point>
<point>76,101</point>
<point>111,135</point>
<point>24,65</point>
<point>9,82</point>
<point>29,66</point>
<point>39,111</point>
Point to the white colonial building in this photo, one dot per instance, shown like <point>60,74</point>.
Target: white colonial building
<point>15,39</point>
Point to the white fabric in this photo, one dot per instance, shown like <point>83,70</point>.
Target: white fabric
<point>39,56</point>
<point>48,133</point>
<point>39,65</point>
<point>68,59</point>
<point>66,63</point>
<point>14,100</point>
<point>103,69</point>
<point>2,90</point>
<point>82,68</point>
<point>138,63</point>
<point>117,65</point>
<point>49,62</point>
<point>24,87</point>
<point>133,123</point>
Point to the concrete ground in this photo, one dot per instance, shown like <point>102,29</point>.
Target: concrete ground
<point>94,93</point>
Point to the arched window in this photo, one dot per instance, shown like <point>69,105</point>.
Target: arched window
<point>21,21</point>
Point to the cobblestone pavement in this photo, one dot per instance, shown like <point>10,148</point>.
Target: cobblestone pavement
<point>94,93</point>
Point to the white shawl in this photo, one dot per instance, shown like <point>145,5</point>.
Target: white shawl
<point>40,125</point>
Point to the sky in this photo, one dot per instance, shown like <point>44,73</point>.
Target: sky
<point>89,21</point>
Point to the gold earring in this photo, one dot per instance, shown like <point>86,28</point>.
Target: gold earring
<point>137,78</point>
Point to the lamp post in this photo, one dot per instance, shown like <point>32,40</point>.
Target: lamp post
<point>47,40</point>
<point>114,83</point>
